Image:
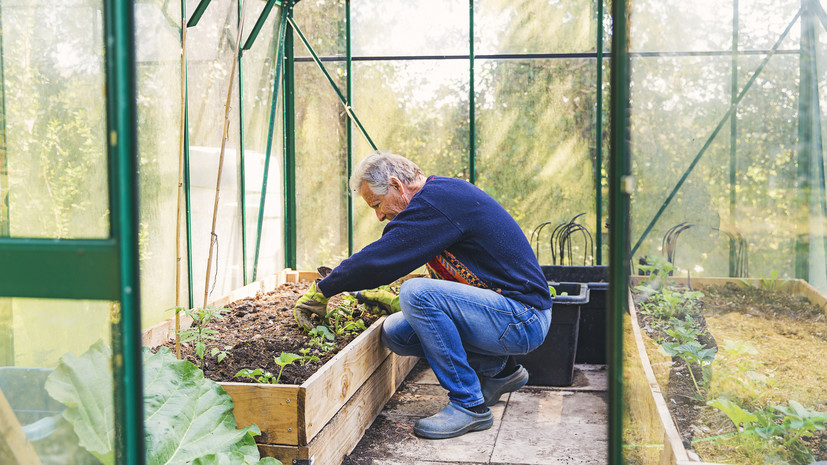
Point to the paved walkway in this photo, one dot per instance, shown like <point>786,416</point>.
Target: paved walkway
<point>532,426</point>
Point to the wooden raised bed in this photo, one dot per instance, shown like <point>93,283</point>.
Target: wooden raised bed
<point>674,452</point>
<point>321,420</point>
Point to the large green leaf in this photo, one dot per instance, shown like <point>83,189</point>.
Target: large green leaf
<point>187,418</point>
<point>84,385</point>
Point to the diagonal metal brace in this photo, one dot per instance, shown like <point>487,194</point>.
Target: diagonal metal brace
<point>199,11</point>
<point>345,103</point>
<point>260,23</point>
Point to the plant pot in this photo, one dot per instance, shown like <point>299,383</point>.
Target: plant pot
<point>591,339</point>
<point>324,417</point>
<point>552,364</point>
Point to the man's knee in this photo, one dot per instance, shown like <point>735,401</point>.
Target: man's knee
<point>410,293</point>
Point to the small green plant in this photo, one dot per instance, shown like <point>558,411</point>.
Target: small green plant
<point>220,354</point>
<point>321,337</point>
<point>736,370</point>
<point>258,375</point>
<point>670,303</point>
<point>771,284</point>
<point>784,426</point>
<point>682,331</point>
<point>693,353</point>
<point>658,269</point>
<point>306,357</point>
<point>265,377</point>
<point>200,332</point>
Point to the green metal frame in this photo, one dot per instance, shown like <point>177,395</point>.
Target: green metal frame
<point>619,196</point>
<point>472,100</point>
<point>289,146</point>
<point>598,155</point>
<point>349,127</point>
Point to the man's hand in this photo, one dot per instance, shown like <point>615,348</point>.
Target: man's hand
<point>311,302</point>
<point>385,300</point>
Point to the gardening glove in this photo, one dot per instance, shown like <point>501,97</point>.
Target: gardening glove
<point>387,301</point>
<point>311,302</point>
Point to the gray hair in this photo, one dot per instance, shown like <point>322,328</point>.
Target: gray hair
<point>378,168</point>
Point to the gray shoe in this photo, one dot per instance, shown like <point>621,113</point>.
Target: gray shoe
<point>452,421</point>
<point>494,388</point>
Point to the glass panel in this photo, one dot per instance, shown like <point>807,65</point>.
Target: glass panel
<point>160,103</point>
<point>34,335</point>
<point>321,171</point>
<point>536,150</point>
<point>323,24</point>
<point>418,109</point>
<point>502,26</point>
<point>728,234</point>
<point>55,120</point>
<point>209,67</point>
<point>399,27</point>
<point>259,73</point>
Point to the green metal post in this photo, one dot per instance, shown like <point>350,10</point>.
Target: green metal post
<point>187,183</point>
<point>242,182</point>
<point>472,100</point>
<point>349,129</point>
<point>289,146</point>
<point>598,156</point>
<point>621,185</point>
<point>806,139</point>
<point>123,194</point>
<point>279,53</point>
<point>733,141</point>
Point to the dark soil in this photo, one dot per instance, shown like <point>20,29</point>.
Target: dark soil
<point>256,330</point>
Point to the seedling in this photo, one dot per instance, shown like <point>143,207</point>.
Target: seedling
<point>219,354</point>
<point>199,332</point>
<point>693,353</point>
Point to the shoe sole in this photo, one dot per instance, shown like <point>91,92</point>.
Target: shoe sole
<point>476,426</point>
<point>506,388</point>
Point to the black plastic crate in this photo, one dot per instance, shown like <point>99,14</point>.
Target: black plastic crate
<point>552,364</point>
<point>591,341</point>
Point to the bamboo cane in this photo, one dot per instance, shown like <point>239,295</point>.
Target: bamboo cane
<point>180,190</point>
<point>224,137</point>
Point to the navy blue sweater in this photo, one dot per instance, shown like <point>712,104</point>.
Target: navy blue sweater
<point>458,230</point>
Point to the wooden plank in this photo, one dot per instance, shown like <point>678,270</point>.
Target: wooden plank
<point>274,408</point>
<point>341,435</point>
<point>15,448</point>
<point>330,388</point>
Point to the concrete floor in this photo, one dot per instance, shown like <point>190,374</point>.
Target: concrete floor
<point>532,426</point>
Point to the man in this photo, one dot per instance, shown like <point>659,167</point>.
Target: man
<point>490,299</point>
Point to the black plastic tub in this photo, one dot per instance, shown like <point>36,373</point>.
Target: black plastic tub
<point>591,341</point>
<point>552,364</point>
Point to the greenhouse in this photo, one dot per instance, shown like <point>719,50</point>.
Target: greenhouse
<point>177,200</point>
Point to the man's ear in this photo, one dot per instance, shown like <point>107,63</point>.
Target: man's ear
<point>396,184</point>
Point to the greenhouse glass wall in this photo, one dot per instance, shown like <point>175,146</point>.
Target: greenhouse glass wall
<point>158,155</point>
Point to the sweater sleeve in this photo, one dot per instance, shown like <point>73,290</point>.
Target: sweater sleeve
<point>416,235</point>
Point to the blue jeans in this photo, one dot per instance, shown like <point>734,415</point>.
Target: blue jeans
<point>463,331</point>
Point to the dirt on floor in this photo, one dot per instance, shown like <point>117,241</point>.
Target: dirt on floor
<point>255,330</point>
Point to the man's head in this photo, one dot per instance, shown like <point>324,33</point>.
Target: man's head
<point>387,182</point>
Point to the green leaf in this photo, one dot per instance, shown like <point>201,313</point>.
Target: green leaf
<point>735,413</point>
<point>84,385</point>
<point>286,359</point>
<point>187,418</point>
